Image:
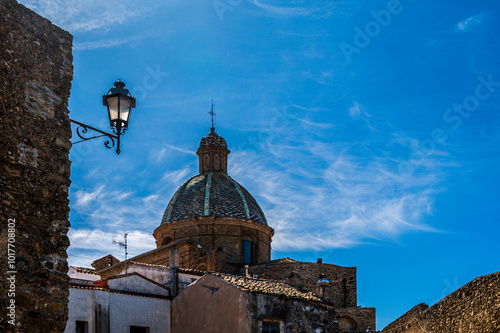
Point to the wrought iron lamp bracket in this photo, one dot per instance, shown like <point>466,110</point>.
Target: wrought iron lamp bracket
<point>82,130</point>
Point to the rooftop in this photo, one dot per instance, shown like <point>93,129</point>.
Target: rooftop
<point>85,270</point>
<point>270,287</point>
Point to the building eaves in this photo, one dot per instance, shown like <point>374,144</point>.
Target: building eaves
<point>140,276</point>
<point>181,270</point>
<point>85,270</point>
<point>76,286</point>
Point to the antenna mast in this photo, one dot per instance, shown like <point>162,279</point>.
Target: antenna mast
<point>123,244</point>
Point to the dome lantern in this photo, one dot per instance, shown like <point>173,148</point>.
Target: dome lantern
<point>213,151</point>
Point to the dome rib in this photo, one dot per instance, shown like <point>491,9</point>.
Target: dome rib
<point>206,206</point>
<point>237,187</point>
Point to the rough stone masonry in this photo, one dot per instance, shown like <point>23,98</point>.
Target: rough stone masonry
<point>35,79</point>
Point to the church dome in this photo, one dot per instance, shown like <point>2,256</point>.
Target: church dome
<point>214,218</point>
<point>212,194</point>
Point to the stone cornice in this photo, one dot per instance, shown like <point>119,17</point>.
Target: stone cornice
<point>214,221</point>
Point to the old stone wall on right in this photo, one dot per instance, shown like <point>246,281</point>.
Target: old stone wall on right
<point>473,308</point>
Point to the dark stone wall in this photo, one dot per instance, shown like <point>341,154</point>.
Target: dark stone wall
<point>35,80</point>
<point>297,316</point>
<point>475,307</point>
<point>341,291</point>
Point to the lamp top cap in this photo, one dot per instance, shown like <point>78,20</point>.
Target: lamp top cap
<point>119,84</point>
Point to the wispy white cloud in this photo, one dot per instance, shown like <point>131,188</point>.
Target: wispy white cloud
<point>302,8</point>
<point>95,239</point>
<point>182,150</point>
<point>470,22</point>
<point>103,212</point>
<point>76,15</point>
<point>84,198</point>
<point>321,77</point>
<point>321,196</point>
<point>88,245</point>
<point>176,176</point>
<point>101,44</point>
<point>110,43</point>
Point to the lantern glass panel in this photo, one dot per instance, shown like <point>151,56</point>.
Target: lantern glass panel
<point>124,108</point>
<point>113,108</point>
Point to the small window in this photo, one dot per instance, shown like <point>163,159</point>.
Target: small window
<point>139,329</point>
<point>248,252</point>
<point>270,328</point>
<point>81,327</point>
<point>166,240</point>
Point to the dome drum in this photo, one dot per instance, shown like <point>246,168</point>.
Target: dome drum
<point>234,240</point>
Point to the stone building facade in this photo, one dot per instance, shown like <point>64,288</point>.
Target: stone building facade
<point>227,303</point>
<point>35,80</point>
<point>473,308</point>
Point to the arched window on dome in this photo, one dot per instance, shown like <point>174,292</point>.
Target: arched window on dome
<point>216,162</point>
<point>166,240</point>
<point>248,250</point>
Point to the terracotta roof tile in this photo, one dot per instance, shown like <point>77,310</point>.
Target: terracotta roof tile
<point>85,270</point>
<point>270,287</point>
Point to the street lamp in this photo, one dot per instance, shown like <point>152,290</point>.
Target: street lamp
<point>119,103</point>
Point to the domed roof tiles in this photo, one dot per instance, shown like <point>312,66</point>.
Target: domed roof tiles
<point>213,139</point>
<point>212,194</point>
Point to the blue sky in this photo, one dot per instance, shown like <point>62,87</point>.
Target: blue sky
<point>368,131</point>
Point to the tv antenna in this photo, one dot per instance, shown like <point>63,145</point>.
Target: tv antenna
<point>123,244</point>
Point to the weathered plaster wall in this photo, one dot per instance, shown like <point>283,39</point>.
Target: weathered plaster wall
<point>126,310</point>
<point>210,306</point>
<point>473,308</point>
<point>81,309</point>
<point>158,274</point>
<point>108,311</point>
<point>35,80</point>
